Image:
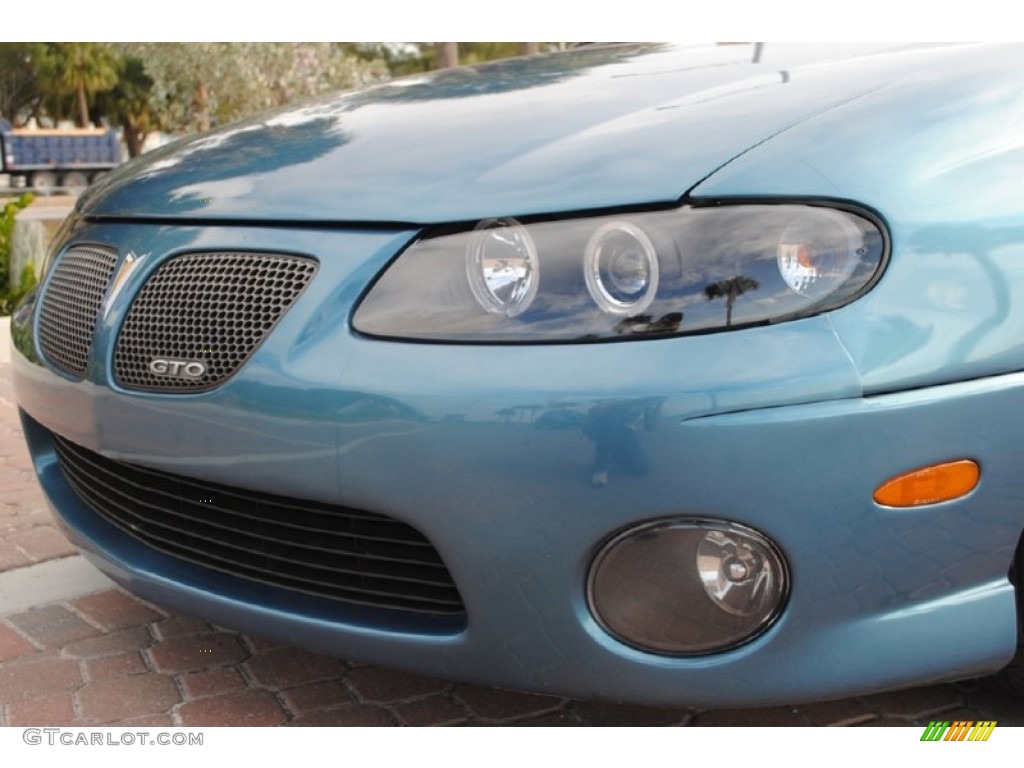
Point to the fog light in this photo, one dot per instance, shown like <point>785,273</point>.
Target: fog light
<point>687,587</point>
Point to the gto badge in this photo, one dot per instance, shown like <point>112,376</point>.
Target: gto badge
<point>179,369</point>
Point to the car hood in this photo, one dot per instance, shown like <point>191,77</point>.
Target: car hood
<point>590,128</point>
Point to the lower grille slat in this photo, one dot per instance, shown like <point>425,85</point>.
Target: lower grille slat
<point>192,516</point>
<point>403,572</point>
<point>232,545</point>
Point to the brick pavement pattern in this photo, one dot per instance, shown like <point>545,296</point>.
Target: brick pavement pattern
<point>112,659</point>
<point>28,534</point>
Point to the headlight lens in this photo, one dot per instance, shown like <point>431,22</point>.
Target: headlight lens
<point>657,273</point>
<point>621,269</point>
<point>818,252</point>
<point>502,267</point>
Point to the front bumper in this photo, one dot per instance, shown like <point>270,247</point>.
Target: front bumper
<point>473,447</point>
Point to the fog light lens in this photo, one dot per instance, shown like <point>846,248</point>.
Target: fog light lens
<point>687,587</point>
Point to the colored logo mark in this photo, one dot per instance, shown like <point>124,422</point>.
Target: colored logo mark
<point>958,730</point>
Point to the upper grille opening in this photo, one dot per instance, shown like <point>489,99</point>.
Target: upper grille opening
<point>214,308</point>
<point>71,306</point>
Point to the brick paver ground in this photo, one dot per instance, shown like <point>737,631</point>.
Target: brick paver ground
<point>111,659</point>
<point>28,534</point>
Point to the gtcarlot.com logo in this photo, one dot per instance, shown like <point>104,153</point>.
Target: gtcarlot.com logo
<point>959,730</point>
<point>77,738</point>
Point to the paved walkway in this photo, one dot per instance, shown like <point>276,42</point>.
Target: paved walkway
<point>76,651</point>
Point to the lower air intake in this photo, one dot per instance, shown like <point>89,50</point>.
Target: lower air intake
<point>342,554</point>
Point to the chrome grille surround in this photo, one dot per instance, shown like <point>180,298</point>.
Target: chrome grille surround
<point>323,550</point>
<point>71,305</point>
<point>214,308</point>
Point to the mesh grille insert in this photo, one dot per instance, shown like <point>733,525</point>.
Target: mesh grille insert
<point>71,306</point>
<point>214,308</point>
<point>339,553</point>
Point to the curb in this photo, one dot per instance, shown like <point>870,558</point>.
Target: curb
<point>49,582</point>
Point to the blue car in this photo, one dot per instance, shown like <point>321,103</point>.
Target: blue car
<point>674,375</point>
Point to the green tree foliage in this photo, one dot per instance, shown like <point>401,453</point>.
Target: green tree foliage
<point>8,297</point>
<point>130,103</point>
<point>181,87</point>
<point>19,91</point>
<point>198,84</point>
<point>76,69</point>
<point>411,58</point>
<point>477,53</point>
<point>280,73</point>
<point>186,78</point>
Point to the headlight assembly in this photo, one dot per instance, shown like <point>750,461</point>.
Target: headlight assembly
<point>670,272</point>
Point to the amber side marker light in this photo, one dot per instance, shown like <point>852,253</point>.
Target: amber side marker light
<point>930,485</point>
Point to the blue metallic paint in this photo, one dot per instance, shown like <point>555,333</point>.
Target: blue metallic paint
<point>945,167</point>
<point>424,150</point>
<point>879,598</point>
<point>787,428</point>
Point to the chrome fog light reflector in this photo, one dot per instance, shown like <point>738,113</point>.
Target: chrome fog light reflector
<point>687,587</point>
<point>501,264</point>
<point>621,268</point>
<point>740,572</point>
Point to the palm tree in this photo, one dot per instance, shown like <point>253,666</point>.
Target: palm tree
<point>18,88</point>
<point>130,103</point>
<point>78,68</point>
<point>729,290</point>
